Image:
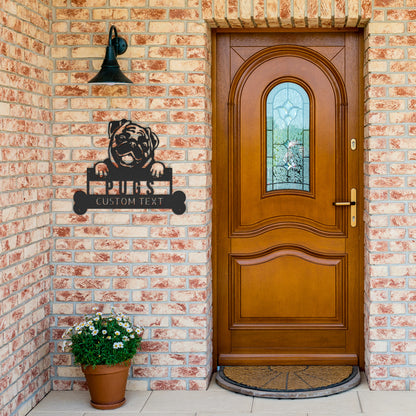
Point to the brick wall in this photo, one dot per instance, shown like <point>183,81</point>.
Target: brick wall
<point>153,265</point>
<point>25,192</point>
<point>390,41</point>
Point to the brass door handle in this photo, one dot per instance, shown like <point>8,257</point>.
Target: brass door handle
<point>352,204</point>
<point>343,204</point>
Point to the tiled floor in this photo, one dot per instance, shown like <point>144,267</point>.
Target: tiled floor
<point>218,402</point>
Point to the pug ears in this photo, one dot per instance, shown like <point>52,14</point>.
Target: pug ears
<point>115,125</point>
<point>154,140</point>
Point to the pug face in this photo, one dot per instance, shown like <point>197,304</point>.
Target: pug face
<point>131,145</point>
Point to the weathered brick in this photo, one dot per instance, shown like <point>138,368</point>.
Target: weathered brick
<point>168,385</point>
<point>171,359</point>
<point>387,308</point>
<point>384,27</point>
<point>131,258</point>
<point>168,308</point>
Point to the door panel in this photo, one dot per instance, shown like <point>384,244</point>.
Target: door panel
<point>253,208</point>
<point>274,299</point>
<point>288,262</point>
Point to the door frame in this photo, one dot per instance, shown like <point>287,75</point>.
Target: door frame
<point>215,175</point>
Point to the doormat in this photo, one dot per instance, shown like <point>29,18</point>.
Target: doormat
<point>288,381</point>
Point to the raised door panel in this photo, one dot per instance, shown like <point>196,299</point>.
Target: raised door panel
<point>254,209</point>
<point>287,287</point>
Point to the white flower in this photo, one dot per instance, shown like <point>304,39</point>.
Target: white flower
<point>67,333</point>
<point>118,318</point>
<point>66,344</point>
<point>117,333</point>
<point>139,331</point>
<point>104,331</point>
<point>125,338</point>
<point>109,337</point>
<point>117,345</point>
<point>95,309</point>
<point>129,330</point>
<point>95,332</point>
<point>79,332</point>
<point>91,328</point>
<point>132,336</point>
<point>96,319</point>
<point>99,313</point>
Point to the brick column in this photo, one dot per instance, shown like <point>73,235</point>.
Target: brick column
<point>25,193</point>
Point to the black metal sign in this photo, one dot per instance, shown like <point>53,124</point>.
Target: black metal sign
<point>130,178</point>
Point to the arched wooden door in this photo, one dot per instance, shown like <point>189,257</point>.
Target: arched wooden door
<point>288,199</point>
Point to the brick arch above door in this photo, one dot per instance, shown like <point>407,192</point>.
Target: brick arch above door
<point>287,14</point>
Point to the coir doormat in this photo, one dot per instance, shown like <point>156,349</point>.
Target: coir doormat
<point>288,382</point>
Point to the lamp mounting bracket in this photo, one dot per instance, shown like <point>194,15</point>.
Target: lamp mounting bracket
<point>119,44</point>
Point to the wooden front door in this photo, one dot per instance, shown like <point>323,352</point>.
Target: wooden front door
<point>288,201</point>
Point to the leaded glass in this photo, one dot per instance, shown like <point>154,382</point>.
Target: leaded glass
<point>288,113</point>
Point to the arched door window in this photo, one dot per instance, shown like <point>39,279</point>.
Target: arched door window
<point>288,115</point>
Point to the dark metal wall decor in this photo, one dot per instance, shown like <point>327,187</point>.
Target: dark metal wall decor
<point>130,178</point>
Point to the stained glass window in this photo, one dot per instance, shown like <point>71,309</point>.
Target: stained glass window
<point>288,114</point>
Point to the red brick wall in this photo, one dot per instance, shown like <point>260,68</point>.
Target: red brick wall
<point>153,265</point>
<point>390,195</point>
<point>25,185</point>
<point>156,265</point>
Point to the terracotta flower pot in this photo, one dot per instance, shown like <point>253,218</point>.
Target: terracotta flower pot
<point>107,384</point>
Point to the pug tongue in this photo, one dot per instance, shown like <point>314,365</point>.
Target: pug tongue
<point>127,159</point>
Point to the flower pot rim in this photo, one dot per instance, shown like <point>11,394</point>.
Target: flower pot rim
<point>104,368</point>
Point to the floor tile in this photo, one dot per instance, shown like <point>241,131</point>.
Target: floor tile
<point>251,414</point>
<point>363,385</point>
<point>401,413</point>
<point>347,402</point>
<point>61,402</point>
<point>202,401</point>
<point>388,402</point>
<point>167,414</point>
<point>213,385</point>
<point>36,412</point>
<point>336,413</point>
<point>219,402</point>
<point>113,413</point>
<point>78,402</point>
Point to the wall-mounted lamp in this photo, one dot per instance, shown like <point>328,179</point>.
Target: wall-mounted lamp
<point>110,72</point>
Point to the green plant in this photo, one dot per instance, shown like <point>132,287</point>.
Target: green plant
<point>101,339</point>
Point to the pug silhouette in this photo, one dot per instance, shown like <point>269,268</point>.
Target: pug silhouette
<point>131,147</point>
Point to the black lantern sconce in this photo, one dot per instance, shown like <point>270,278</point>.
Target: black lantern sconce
<point>110,72</point>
